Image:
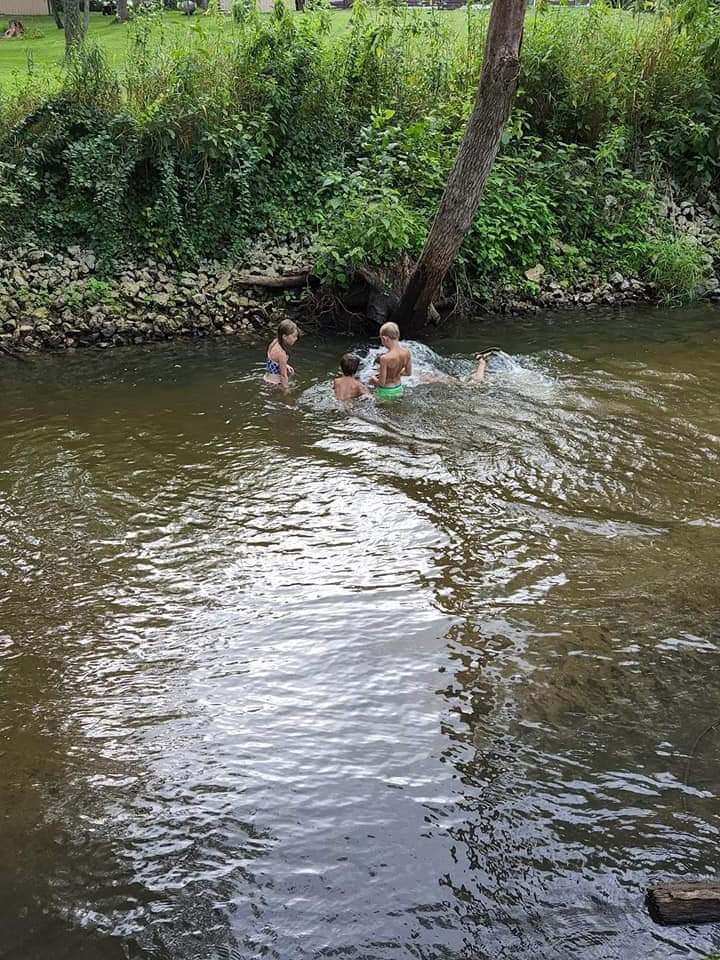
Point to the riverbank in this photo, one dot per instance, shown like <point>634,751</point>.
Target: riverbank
<point>196,144</point>
<point>60,300</point>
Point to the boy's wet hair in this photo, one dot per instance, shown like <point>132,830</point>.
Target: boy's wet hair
<point>390,330</point>
<point>349,364</point>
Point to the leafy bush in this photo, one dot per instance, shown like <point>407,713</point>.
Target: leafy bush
<point>655,75</point>
<point>192,149</point>
<point>566,206</point>
<point>275,123</point>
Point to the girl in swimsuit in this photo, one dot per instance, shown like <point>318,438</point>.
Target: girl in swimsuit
<point>277,369</point>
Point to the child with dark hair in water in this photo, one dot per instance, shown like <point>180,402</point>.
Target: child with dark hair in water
<point>348,387</point>
<point>277,369</point>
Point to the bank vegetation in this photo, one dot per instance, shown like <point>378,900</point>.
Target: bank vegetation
<point>281,126</point>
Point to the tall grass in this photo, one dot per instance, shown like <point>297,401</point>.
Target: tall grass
<point>653,75</point>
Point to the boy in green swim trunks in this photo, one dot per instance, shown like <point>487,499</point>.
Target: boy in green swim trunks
<point>395,364</point>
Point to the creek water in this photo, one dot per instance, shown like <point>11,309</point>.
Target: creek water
<point>415,680</point>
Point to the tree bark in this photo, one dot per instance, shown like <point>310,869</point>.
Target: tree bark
<point>74,33</point>
<point>54,10</point>
<point>122,10</point>
<point>86,17</point>
<point>473,163</point>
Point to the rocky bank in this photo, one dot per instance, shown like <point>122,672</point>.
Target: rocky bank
<point>58,300</point>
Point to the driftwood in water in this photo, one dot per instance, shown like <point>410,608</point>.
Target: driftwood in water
<point>686,903</point>
<point>276,283</point>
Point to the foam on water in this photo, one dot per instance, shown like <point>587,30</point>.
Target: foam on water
<point>525,378</point>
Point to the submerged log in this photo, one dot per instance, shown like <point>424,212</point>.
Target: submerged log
<point>687,903</point>
<point>10,351</point>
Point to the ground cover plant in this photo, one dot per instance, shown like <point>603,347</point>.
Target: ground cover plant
<point>187,138</point>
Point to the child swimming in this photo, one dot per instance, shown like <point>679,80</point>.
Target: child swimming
<point>395,364</point>
<point>477,375</point>
<point>482,358</point>
<point>348,387</point>
<point>277,369</point>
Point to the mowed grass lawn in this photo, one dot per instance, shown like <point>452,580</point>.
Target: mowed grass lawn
<point>43,47</point>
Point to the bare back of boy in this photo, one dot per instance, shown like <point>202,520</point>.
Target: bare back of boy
<point>396,364</point>
<point>348,388</point>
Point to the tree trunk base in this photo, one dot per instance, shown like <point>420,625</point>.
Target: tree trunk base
<point>371,299</point>
<point>382,297</point>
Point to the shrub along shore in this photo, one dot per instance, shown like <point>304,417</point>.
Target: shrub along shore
<point>170,165</point>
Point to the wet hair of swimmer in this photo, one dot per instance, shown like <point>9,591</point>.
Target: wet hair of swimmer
<point>390,330</point>
<point>350,364</point>
<point>286,328</point>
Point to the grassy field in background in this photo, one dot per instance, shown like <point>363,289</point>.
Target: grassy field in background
<point>43,47</point>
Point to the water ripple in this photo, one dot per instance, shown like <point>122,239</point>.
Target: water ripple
<point>294,680</point>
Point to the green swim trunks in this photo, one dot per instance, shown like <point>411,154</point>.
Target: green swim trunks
<point>389,393</point>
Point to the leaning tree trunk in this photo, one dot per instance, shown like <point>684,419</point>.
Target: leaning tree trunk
<point>74,32</point>
<point>475,158</point>
<point>54,10</point>
<point>122,10</point>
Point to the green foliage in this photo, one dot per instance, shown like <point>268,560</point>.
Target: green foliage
<point>566,206</point>
<point>653,74</point>
<point>88,293</point>
<point>275,123</point>
<point>191,150</point>
<point>678,265</point>
<point>370,231</point>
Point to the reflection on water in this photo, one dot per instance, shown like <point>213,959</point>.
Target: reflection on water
<point>286,679</point>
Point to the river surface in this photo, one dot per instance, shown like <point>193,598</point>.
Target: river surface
<point>415,680</point>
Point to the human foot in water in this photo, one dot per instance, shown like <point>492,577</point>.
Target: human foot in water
<point>482,358</point>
